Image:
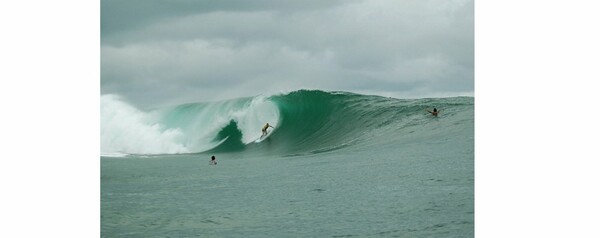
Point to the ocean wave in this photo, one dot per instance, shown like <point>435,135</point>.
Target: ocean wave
<point>305,121</point>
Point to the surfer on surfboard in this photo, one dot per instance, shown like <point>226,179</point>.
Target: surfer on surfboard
<point>264,129</point>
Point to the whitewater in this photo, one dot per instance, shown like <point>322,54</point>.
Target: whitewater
<point>337,164</point>
<point>187,128</point>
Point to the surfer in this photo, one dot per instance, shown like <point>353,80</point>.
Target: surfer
<point>264,129</point>
<point>213,161</point>
<point>434,112</point>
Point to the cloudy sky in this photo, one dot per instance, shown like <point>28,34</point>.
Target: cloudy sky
<point>156,53</point>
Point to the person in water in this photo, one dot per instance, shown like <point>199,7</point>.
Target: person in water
<point>435,112</point>
<point>213,160</point>
<point>264,129</point>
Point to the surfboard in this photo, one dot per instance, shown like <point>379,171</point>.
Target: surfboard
<point>262,138</point>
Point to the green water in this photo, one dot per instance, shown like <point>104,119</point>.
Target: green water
<point>408,175</point>
<point>314,196</point>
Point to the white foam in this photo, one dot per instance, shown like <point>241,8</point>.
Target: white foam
<point>127,130</point>
<point>113,154</point>
<point>255,116</point>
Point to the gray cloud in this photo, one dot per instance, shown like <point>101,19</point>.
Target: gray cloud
<point>190,51</point>
<point>118,16</point>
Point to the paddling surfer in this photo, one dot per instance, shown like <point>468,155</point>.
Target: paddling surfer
<point>435,112</point>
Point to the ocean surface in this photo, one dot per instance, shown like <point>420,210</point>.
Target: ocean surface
<point>337,164</point>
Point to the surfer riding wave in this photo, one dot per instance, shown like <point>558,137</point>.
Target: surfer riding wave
<point>264,129</point>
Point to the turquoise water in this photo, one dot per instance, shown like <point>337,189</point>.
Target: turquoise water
<point>337,165</point>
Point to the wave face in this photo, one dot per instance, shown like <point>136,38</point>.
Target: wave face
<point>305,121</point>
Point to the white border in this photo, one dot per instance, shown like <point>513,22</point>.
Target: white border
<point>536,122</point>
<point>50,173</point>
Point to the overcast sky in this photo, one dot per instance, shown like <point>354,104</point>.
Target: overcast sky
<point>157,53</point>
